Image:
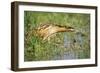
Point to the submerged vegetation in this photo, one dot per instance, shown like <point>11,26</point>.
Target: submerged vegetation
<point>62,45</point>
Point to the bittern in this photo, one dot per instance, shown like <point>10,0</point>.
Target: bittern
<point>46,30</point>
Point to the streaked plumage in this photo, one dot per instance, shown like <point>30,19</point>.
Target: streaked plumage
<point>47,30</point>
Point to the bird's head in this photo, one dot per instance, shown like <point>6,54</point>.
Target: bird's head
<point>71,29</point>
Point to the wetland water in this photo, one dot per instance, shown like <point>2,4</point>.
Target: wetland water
<point>69,46</point>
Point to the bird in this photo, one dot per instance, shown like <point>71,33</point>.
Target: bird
<point>46,30</point>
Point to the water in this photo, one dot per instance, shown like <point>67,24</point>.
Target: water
<point>69,55</point>
<point>68,42</point>
<point>79,39</point>
<point>66,56</point>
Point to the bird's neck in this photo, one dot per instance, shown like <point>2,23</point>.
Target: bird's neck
<point>61,29</point>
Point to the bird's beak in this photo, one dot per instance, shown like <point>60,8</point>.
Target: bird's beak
<point>72,30</point>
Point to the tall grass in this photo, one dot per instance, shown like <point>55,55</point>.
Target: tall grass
<point>36,49</point>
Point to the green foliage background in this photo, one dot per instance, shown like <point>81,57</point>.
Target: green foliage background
<point>35,49</point>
